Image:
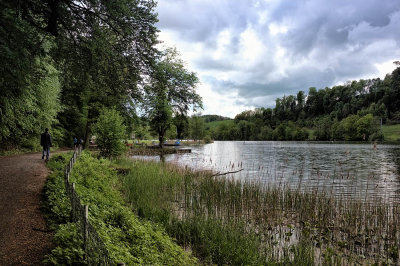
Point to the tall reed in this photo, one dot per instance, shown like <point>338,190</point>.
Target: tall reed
<point>218,217</point>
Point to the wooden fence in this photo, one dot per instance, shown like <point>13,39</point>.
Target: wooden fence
<point>96,252</point>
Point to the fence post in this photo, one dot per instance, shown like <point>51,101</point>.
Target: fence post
<point>85,230</point>
<point>72,202</point>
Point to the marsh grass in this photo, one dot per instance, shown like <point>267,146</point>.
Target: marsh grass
<point>229,221</point>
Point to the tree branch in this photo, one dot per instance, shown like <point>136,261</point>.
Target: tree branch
<point>233,172</point>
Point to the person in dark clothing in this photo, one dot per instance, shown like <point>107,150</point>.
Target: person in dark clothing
<point>75,142</point>
<point>45,142</point>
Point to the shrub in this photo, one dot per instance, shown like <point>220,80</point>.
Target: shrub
<point>110,133</point>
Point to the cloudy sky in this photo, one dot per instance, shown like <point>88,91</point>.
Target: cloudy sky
<point>247,53</point>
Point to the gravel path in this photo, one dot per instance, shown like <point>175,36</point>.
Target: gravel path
<point>24,237</point>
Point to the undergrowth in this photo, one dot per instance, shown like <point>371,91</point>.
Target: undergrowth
<point>127,238</point>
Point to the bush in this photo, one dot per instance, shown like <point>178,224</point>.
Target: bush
<point>207,139</point>
<point>110,133</point>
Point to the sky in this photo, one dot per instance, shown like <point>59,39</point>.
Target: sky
<point>247,53</point>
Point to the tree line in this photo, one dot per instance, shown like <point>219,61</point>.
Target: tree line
<point>65,63</point>
<point>353,111</point>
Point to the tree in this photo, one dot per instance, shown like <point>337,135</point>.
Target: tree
<point>170,88</point>
<point>34,108</point>
<point>110,133</point>
<point>29,83</point>
<point>160,115</point>
<point>182,125</point>
<point>103,49</point>
<point>394,105</point>
<point>350,128</point>
<point>366,127</point>
<point>197,128</point>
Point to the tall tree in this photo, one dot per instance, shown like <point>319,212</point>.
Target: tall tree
<point>182,125</point>
<point>160,115</point>
<point>197,127</point>
<point>103,49</point>
<point>170,88</point>
<point>29,83</point>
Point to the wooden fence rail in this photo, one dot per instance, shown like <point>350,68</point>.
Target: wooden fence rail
<point>96,252</point>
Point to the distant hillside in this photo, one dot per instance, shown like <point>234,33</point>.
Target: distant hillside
<point>212,118</point>
<point>215,124</point>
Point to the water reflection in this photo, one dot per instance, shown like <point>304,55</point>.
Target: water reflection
<point>348,170</point>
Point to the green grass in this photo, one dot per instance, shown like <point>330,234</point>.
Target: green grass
<point>391,132</point>
<point>127,238</point>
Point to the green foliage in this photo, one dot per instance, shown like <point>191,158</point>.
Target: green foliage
<point>68,251</point>
<point>57,204</point>
<point>211,240</point>
<point>92,50</point>
<point>171,89</point>
<point>207,139</point>
<point>330,113</point>
<point>67,241</point>
<point>110,133</point>
<point>25,115</point>
<point>197,127</point>
<point>126,237</point>
<point>391,132</point>
<point>181,123</point>
<point>217,242</point>
<point>160,115</point>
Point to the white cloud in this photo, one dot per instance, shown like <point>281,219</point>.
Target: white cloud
<point>224,105</point>
<point>247,53</point>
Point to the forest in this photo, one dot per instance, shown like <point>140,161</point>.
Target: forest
<point>66,63</point>
<point>353,111</point>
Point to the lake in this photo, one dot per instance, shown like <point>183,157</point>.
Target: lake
<point>345,170</point>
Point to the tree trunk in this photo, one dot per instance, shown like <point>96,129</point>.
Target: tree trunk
<point>87,134</point>
<point>160,139</point>
<point>53,17</point>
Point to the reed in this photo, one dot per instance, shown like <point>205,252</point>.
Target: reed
<point>224,220</point>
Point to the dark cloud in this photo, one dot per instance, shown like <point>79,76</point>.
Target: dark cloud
<point>318,43</point>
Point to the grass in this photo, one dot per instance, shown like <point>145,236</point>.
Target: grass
<point>391,132</point>
<point>200,213</point>
<point>127,238</point>
<point>224,221</point>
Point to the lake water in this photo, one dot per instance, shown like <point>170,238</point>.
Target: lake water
<point>345,170</point>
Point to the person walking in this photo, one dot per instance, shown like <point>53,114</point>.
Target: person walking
<point>75,142</point>
<point>46,143</point>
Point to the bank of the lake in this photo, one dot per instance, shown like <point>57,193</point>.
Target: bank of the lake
<point>391,133</point>
<point>220,220</point>
<point>347,169</point>
<point>242,222</point>
<point>126,237</point>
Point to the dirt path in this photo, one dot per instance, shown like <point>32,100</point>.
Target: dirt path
<point>24,238</point>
